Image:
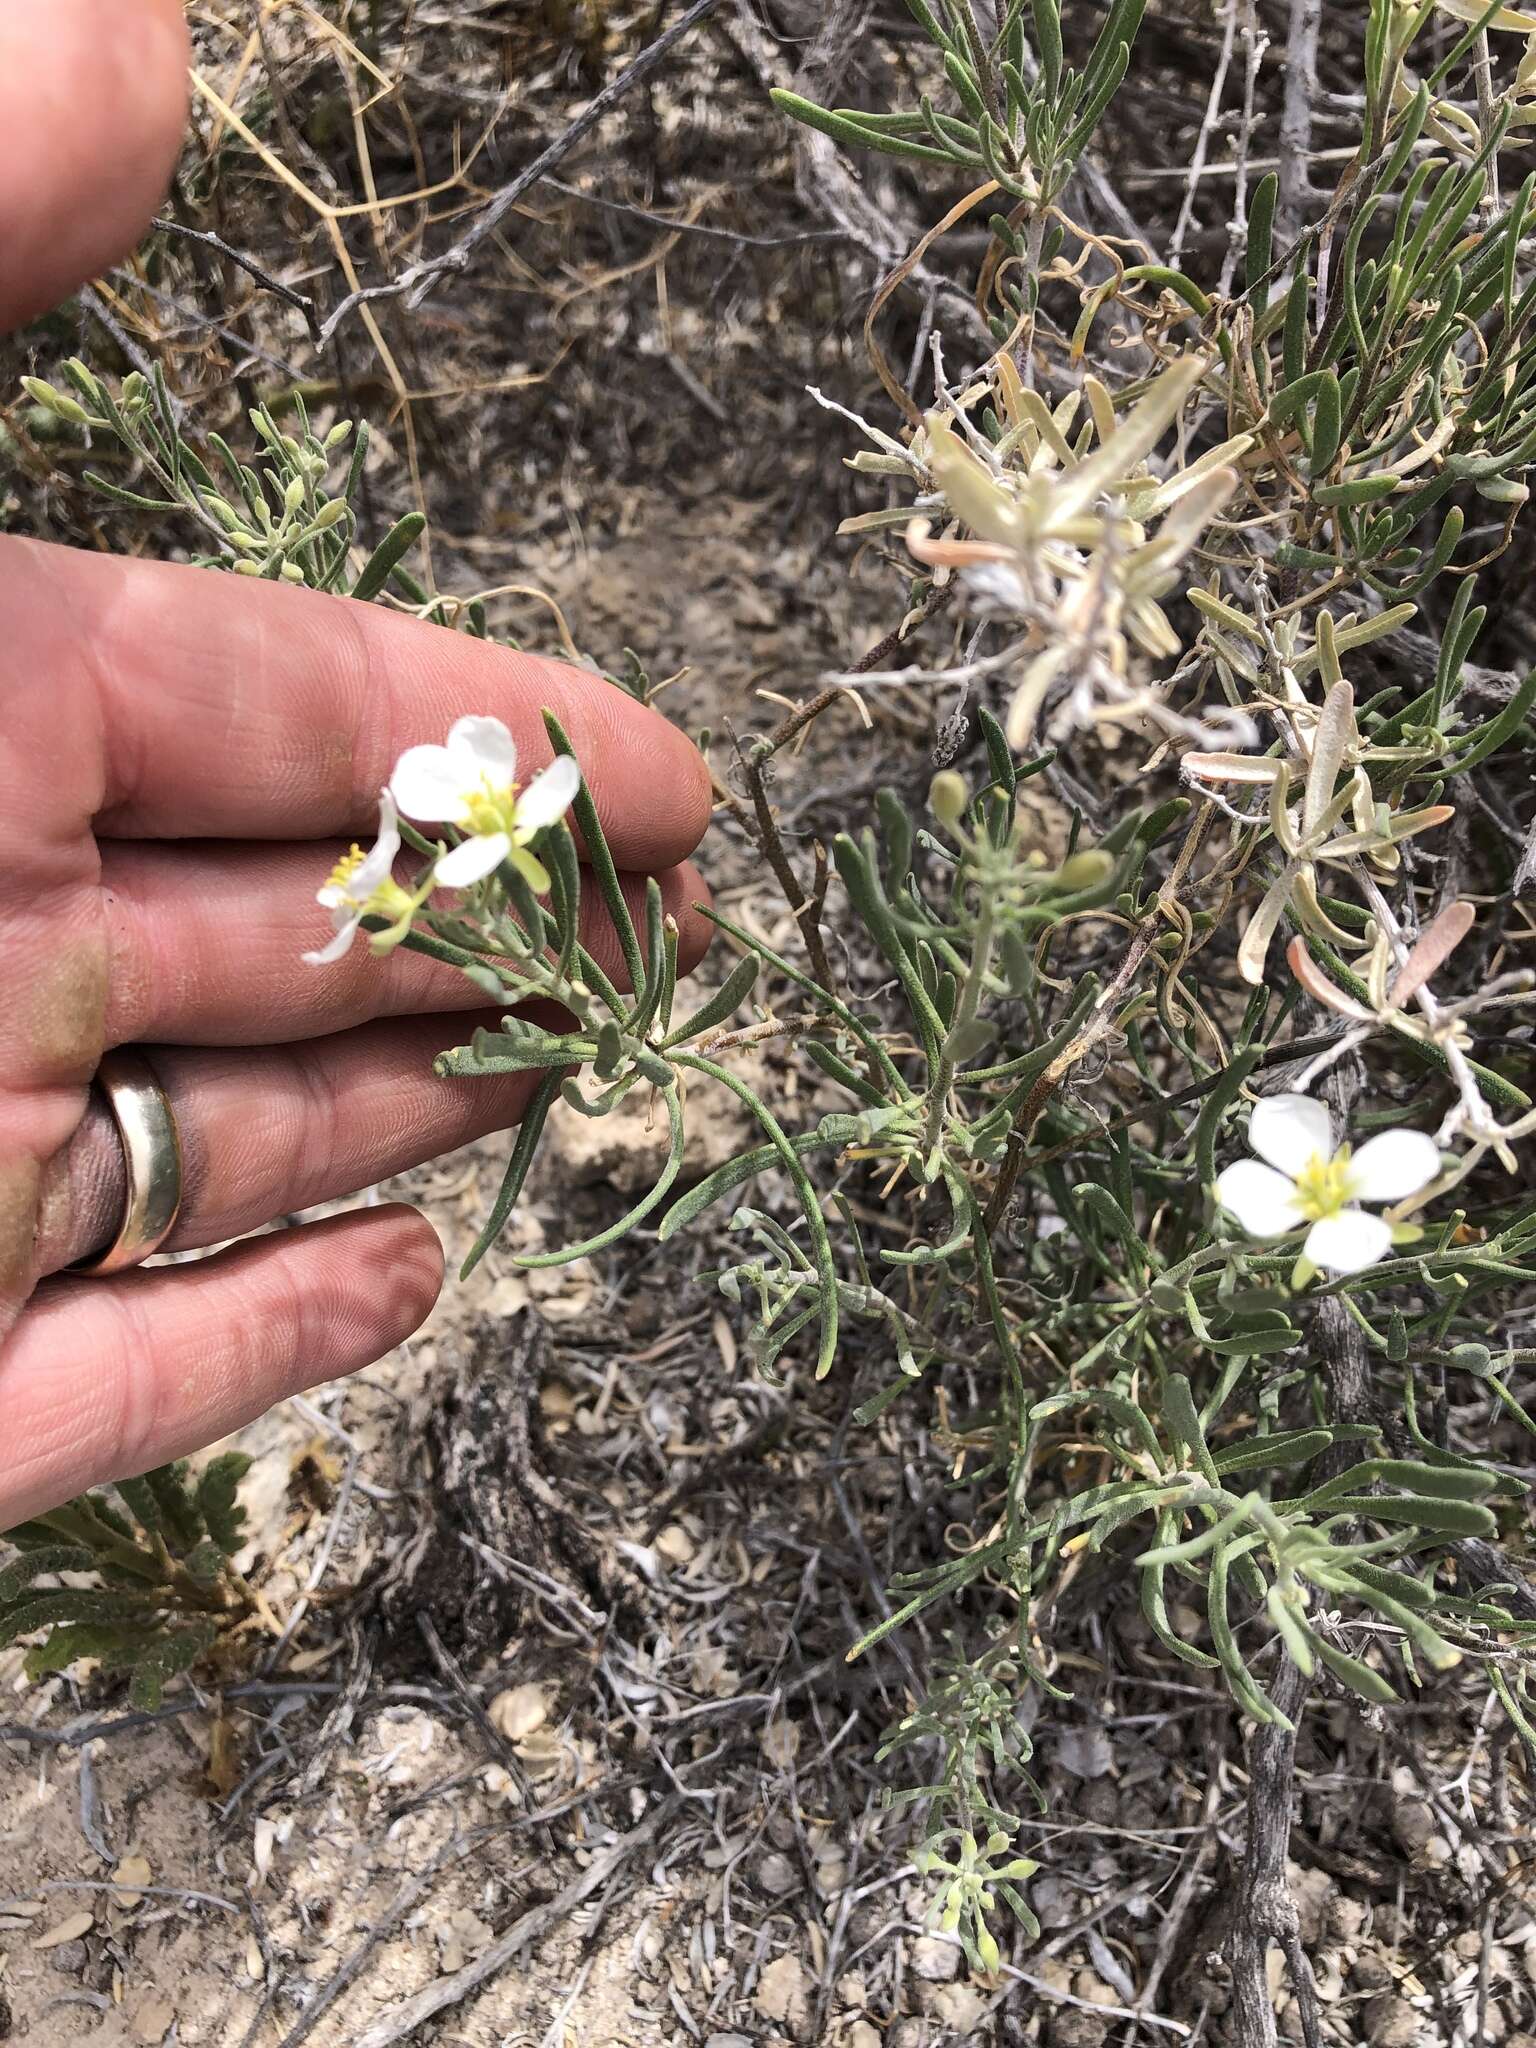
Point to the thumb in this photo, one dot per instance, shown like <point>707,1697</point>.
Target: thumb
<point>93,104</point>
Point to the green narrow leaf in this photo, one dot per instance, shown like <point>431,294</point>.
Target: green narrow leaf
<point>834,1130</point>
<point>851,132</point>
<point>1327,424</point>
<point>1183,1419</point>
<point>1000,759</point>
<point>1103,1207</point>
<point>1487,739</point>
<point>1358,1676</point>
<point>868,900</point>
<point>1154,1605</point>
<point>600,860</point>
<point>724,1003</point>
<point>1420,1510</point>
<point>387,556</point>
<point>558,852</point>
<point>112,1646</point>
<point>117,1605</point>
<point>1297,306</point>
<point>648,993</point>
<point>815,1222</point>
<point>1047,20</point>
<point>1261,231</point>
<point>1245,1689</point>
<point>1223,1095</point>
<point>1285,1447</point>
<point>585,1247</point>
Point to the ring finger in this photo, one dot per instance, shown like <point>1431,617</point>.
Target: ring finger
<point>268,1131</point>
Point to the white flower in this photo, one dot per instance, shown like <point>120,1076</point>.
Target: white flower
<point>472,783</point>
<point>1308,1180</point>
<point>361,884</point>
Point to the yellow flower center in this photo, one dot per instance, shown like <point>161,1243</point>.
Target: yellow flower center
<point>390,900</point>
<point>341,875</point>
<point>387,900</point>
<point>1325,1186</point>
<point>488,810</point>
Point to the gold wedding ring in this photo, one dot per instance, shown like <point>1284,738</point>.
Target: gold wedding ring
<point>146,1124</point>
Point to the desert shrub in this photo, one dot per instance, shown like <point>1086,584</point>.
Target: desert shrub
<point>1202,548</point>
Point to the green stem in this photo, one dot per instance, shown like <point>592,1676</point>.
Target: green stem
<point>966,1006</point>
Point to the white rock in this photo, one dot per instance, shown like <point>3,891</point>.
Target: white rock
<point>935,1959</point>
<point>517,1712</point>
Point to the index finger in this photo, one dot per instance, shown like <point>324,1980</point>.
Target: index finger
<point>93,101</point>
<point>202,705</point>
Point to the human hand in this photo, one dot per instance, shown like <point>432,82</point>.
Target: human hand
<point>183,756</point>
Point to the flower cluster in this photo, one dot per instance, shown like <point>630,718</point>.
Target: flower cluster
<point>1077,547</point>
<point>469,784</point>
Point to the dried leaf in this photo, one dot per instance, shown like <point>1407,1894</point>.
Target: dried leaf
<point>132,1874</point>
<point>67,1930</point>
<point>1331,741</point>
<point>1256,768</point>
<point>1436,944</point>
<point>1320,988</point>
<point>1254,949</point>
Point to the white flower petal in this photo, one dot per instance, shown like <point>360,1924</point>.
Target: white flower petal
<point>548,796</point>
<point>428,783</point>
<point>1348,1242</point>
<point>1263,1201</point>
<point>473,861</point>
<point>346,932</point>
<point>381,855</point>
<point>1290,1131</point>
<point>1396,1164</point>
<point>486,749</point>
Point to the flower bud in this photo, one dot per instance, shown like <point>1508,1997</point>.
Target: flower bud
<point>948,798</point>
<point>1087,869</point>
<point>84,379</point>
<point>329,515</point>
<point>55,402</point>
<point>293,497</point>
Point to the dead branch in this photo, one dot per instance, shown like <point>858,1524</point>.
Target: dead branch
<point>1301,91</point>
<point>1265,1912</point>
<point>419,279</point>
<point>299,300</point>
<point>403,2019</point>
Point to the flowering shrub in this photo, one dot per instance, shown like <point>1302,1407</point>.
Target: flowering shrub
<point>1221,537</point>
